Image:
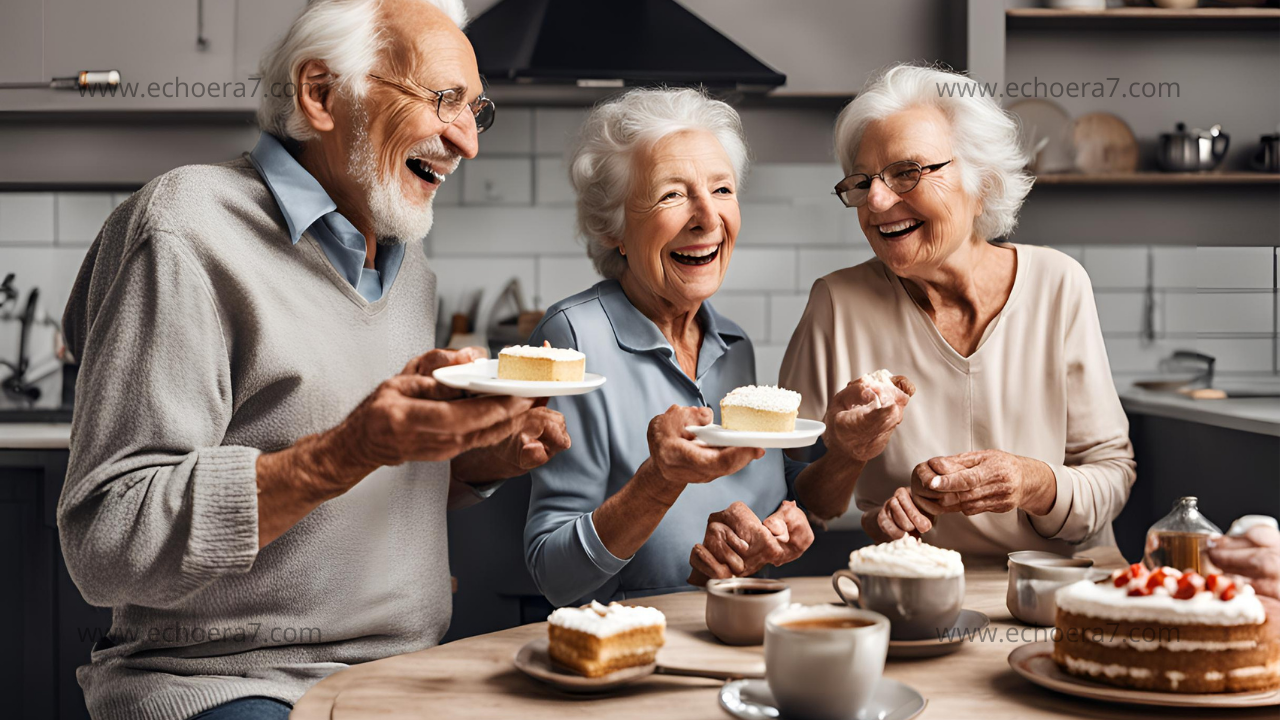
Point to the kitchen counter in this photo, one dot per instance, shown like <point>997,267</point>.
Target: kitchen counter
<point>475,678</point>
<point>35,436</point>
<point>1256,415</point>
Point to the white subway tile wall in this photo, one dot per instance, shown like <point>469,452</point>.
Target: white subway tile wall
<point>511,215</point>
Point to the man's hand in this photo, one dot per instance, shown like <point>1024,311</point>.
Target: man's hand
<point>408,417</point>
<point>861,420</point>
<point>738,544</point>
<point>541,434</point>
<point>984,481</point>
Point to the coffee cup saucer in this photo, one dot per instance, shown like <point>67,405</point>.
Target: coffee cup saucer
<point>752,700</point>
<point>967,626</point>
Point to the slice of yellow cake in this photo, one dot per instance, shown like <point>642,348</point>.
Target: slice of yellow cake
<point>596,639</point>
<point>542,364</point>
<point>760,408</point>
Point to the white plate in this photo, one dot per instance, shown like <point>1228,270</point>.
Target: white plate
<point>1034,661</point>
<point>806,433</point>
<point>751,700</point>
<point>481,377</point>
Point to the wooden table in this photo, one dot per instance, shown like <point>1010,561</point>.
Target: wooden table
<point>474,678</point>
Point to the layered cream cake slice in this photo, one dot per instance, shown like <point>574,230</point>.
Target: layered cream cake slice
<point>597,639</point>
<point>881,383</point>
<point>760,408</point>
<point>541,364</point>
<point>1167,630</point>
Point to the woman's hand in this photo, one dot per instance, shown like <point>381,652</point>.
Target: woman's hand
<point>861,418</point>
<point>676,459</point>
<point>984,481</point>
<point>898,517</point>
<point>738,544</point>
<point>1255,555</point>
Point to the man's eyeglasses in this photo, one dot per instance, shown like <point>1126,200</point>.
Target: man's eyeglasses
<point>900,177</point>
<point>449,103</point>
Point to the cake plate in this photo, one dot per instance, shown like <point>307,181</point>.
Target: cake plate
<point>481,377</point>
<point>1034,661</point>
<point>806,433</point>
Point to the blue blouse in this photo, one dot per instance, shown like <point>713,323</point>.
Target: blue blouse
<point>566,557</point>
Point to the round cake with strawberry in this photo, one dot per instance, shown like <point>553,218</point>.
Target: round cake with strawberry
<point>1167,630</point>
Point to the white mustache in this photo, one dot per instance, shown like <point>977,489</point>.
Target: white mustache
<point>434,150</point>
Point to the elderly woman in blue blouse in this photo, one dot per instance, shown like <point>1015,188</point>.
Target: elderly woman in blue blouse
<point>636,506</point>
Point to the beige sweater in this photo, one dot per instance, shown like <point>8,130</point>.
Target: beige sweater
<point>1038,385</point>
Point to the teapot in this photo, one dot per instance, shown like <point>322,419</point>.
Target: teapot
<point>1194,151</point>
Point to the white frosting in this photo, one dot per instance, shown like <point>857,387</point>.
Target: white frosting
<point>603,621</point>
<point>764,397</point>
<point>1213,675</point>
<point>881,382</point>
<point>907,556</point>
<point>1243,524</point>
<point>1175,645</point>
<point>1112,671</point>
<point>1268,669</point>
<point>1175,677</point>
<point>1106,601</point>
<point>550,353</point>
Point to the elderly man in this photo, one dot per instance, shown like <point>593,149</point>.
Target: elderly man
<point>252,496</point>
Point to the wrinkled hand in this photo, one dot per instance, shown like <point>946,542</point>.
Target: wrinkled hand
<point>860,421</point>
<point>898,517</point>
<point>676,459</point>
<point>738,544</point>
<point>983,481</point>
<point>1255,555</point>
<point>540,434</point>
<point>412,417</point>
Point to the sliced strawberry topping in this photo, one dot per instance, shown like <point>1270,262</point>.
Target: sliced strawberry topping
<point>1228,591</point>
<point>1211,582</point>
<point>1184,592</point>
<point>1139,591</point>
<point>1136,569</point>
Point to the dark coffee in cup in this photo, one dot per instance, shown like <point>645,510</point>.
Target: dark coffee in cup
<point>756,590</point>
<point>826,623</point>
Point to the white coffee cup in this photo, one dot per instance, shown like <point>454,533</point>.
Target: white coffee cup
<point>825,673</point>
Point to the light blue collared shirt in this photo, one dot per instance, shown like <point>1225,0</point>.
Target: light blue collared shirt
<point>307,208</point>
<point>563,552</point>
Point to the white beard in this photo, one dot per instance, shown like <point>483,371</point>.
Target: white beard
<point>395,219</point>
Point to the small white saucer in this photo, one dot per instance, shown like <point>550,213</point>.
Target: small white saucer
<point>806,433</point>
<point>481,377</point>
<point>968,625</point>
<point>751,700</point>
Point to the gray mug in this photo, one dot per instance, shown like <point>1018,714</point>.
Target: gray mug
<point>918,608</point>
<point>1036,576</point>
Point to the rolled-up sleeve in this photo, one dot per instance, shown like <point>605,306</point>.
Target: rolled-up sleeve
<point>1097,471</point>
<point>563,552</point>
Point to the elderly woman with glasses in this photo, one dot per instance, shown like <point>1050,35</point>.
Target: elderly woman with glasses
<point>637,506</point>
<point>1014,438</point>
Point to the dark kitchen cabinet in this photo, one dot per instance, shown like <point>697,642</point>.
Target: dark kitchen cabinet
<point>54,626</point>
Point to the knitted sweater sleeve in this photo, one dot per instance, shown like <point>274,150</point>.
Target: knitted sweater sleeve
<point>154,506</point>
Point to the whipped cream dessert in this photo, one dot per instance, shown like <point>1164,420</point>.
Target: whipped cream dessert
<point>760,408</point>
<point>881,383</point>
<point>541,364</point>
<point>907,557</point>
<point>605,620</point>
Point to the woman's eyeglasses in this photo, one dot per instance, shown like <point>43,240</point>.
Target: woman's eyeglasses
<point>449,103</point>
<point>900,177</point>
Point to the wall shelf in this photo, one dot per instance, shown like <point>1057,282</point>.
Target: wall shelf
<point>1159,178</point>
<point>1210,19</point>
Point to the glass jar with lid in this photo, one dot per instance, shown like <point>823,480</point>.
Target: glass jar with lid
<point>1181,539</point>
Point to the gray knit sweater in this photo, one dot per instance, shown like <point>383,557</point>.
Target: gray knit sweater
<point>206,337</point>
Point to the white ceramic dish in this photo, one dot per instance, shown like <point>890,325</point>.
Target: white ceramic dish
<point>1034,661</point>
<point>967,627</point>
<point>751,700</point>
<point>481,377</point>
<point>806,433</point>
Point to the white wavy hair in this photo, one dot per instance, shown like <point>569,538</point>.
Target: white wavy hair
<point>600,168</point>
<point>344,34</point>
<point>984,138</point>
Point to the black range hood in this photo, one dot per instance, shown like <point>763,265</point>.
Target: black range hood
<point>611,43</point>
